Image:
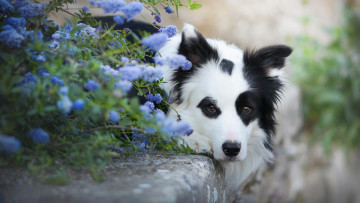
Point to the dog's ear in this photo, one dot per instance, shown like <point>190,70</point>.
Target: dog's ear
<point>270,58</point>
<point>195,47</point>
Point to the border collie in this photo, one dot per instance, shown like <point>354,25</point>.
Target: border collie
<point>228,97</point>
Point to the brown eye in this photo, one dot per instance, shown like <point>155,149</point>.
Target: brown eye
<point>211,108</point>
<point>245,110</point>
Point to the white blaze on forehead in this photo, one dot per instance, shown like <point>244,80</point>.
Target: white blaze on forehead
<point>210,81</point>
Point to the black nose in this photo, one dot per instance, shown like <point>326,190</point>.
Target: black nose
<point>231,148</point>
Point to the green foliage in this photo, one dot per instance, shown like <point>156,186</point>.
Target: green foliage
<point>78,137</point>
<point>329,78</point>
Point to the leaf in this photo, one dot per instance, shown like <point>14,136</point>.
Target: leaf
<point>195,6</point>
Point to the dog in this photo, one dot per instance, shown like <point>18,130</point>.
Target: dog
<point>229,97</point>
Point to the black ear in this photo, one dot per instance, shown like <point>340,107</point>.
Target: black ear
<point>267,57</point>
<point>195,47</point>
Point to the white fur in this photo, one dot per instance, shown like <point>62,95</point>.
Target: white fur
<point>210,134</point>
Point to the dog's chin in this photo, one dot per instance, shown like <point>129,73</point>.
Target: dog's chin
<point>228,159</point>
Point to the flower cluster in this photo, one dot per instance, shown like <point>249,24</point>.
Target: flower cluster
<point>155,41</point>
<point>113,6</point>
<point>170,30</point>
<point>14,32</point>
<point>177,61</point>
<point>9,144</point>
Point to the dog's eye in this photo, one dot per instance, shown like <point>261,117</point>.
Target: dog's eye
<point>245,110</point>
<point>211,108</point>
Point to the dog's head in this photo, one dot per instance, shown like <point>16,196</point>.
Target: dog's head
<point>228,95</point>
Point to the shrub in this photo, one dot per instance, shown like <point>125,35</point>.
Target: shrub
<point>64,91</point>
<point>329,78</point>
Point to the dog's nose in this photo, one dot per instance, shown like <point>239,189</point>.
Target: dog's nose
<point>231,148</point>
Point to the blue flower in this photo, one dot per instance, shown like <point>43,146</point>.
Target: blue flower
<point>187,65</point>
<point>119,19</point>
<point>139,140</point>
<point>160,115</point>
<point>158,18</point>
<point>43,72</point>
<point>150,105</point>
<point>124,85</point>
<point>38,135</point>
<point>31,10</point>
<point>15,22</point>
<point>78,104</point>
<point>124,59</point>
<point>168,10</point>
<point>5,6</point>
<point>158,98</point>
<point>36,36</point>
<point>132,9</point>
<point>40,58</point>
<point>158,61</point>
<point>56,80</point>
<point>85,8</point>
<point>170,30</point>
<point>155,41</point>
<point>114,116</point>
<point>11,38</point>
<point>176,61</point>
<point>64,90</point>
<point>64,104</point>
<point>9,144</point>
<point>150,97</point>
<point>109,6</point>
<point>91,86</point>
<point>151,74</point>
<point>176,128</point>
<point>54,44</point>
<point>29,78</point>
<point>130,73</point>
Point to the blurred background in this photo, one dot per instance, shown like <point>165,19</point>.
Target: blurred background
<point>319,118</point>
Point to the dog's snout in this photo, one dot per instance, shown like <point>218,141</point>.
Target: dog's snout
<point>231,149</point>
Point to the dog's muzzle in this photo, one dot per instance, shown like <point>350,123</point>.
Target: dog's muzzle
<point>231,149</point>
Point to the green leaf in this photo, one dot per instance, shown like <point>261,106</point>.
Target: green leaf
<point>195,6</point>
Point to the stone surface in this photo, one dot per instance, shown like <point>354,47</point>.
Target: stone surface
<point>150,178</point>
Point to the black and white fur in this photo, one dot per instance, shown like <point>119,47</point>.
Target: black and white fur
<point>228,97</point>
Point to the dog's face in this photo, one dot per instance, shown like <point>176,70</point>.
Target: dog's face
<point>229,95</point>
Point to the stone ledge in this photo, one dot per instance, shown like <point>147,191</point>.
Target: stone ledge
<point>150,178</point>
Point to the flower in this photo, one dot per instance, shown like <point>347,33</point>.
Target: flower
<point>78,104</point>
<point>5,6</point>
<point>9,144</point>
<point>38,135</point>
<point>168,10</point>
<point>119,19</point>
<point>29,78</point>
<point>155,41</point>
<point>40,58</point>
<point>130,73</point>
<point>160,115</point>
<point>176,61</point>
<point>170,30</point>
<point>187,65</point>
<point>31,10</point>
<point>54,44</point>
<point>109,6</point>
<point>64,104</point>
<point>158,61</point>
<point>63,90</point>
<point>151,74</point>
<point>91,86</point>
<point>124,59</point>
<point>157,18</point>
<point>85,8</point>
<point>11,38</point>
<point>132,9</point>
<point>43,72</point>
<point>56,80</point>
<point>176,128</point>
<point>114,116</point>
<point>158,98</point>
<point>124,85</point>
<point>15,22</point>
